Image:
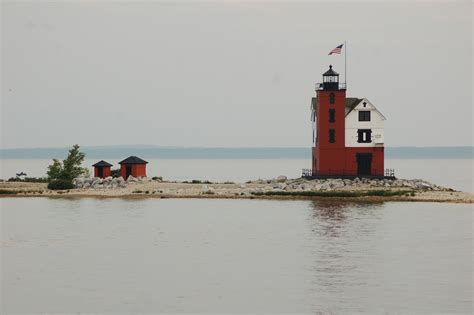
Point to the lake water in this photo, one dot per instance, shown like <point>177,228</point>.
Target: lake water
<point>453,173</point>
<point>152,255</point>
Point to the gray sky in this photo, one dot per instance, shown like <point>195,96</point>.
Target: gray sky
<point>229,74</point>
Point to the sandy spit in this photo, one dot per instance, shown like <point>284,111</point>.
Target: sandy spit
<point>220,191</point>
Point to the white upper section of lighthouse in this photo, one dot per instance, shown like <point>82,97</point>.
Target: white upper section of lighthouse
<point>364,126</point>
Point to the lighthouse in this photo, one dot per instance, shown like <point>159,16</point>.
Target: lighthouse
<point>348,132</point>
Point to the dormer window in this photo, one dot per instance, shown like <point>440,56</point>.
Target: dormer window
<point>332,98</point>
<point>364,115</point>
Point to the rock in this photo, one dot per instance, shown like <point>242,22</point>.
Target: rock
<point>281,179</point>
<point>423,185</point>
<point>208,190</point>
<point>337,184</point>
<point>325,186</point>
<point>132,179</point>
<point>243,186</point>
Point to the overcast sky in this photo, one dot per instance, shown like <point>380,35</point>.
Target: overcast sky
<point>229,74</point>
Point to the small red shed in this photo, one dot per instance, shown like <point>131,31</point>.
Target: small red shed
<point>102,169</point>
<point>133,166</point>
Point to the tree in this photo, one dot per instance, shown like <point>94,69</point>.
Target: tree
<point>70,168</point>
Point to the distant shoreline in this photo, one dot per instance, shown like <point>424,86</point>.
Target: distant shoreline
<point>156,152</point>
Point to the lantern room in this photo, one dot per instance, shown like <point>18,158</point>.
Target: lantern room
<point>330,80</point>
<point>134,166</point>
<point>102,169</point>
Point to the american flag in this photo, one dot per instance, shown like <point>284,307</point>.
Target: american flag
<point>336,50</point>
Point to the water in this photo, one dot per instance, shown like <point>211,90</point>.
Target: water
<point>453,173</point>
<point>153,255</point>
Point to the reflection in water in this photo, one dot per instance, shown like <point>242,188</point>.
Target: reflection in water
<point>342,234</point>
<point>330,215</point>
<point>240,256</point>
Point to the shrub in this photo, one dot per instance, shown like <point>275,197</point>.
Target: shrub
<point>60,184</point>
<point>157,178</point>
<point>69,168</point>
<point>115,172</point>
<point>29,179</point>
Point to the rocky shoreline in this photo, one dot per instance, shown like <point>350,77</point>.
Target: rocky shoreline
<point>276,188</point>
<point>281,183</point>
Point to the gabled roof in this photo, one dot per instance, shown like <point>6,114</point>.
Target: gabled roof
<point>351,103</point>
<point>133,160</point>
<point>102,163</point>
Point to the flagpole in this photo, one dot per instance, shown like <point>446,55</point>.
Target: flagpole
<point>345,63</point>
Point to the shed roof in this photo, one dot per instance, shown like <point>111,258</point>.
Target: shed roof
<point>102,163</point>
<point>133,160</point>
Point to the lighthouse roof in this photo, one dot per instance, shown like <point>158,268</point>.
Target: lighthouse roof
<point>330,72</point>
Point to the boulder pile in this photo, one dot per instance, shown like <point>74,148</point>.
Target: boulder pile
<point>330,184</point>
<point>97,182</point>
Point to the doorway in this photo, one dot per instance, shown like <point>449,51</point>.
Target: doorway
<point>100,172</point>
<point>364,164</point>
<point>128,171</point>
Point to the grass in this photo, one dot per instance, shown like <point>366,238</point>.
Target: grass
<point>380,193</point>
<point>8,192</point>
<point>197,181</point>
<point>16,192</point>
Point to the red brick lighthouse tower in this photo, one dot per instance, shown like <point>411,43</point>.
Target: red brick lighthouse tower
<point>348,132</point>
<point>329,151</point>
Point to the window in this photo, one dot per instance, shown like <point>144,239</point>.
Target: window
<point>364,136</point>
<point>332,135</point>
<point>332,98</point>
<point>332,115</point>
<point>364,115</point>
